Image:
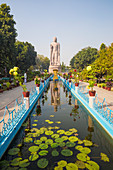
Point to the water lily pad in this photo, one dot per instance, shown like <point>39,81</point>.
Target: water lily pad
<point>15,162</point>
<point>22,168</point>
<point>64,138</point>
<point>55,136</point>
<point>12,168</point>
<point>27,139</point>
<point>68,133</point>
<point>58,168</point>
<point>83,157</point>
<point>13,151</point>
<point>92,165</point>
<point>85,150</point>
<point>37,142</point>
<point>87,143</point>
<point>4,164</point>
<point>35,135</point>
<point>43,153</point>
<point>80,164</point>
<point>34,124</point>
<point>43,128</point>
<point>34,114</point>
<point>66,152</point>
<point>55,153</point>
<point>49,141</point>
<point>49,132</point>
<point>44,138</point>
<point>42,163</point>
<point>58,122</point>
<point>104,157</point>
<point>56,127</point>
<point>62,163</point>
<point>19,145</point>
<point>24,163</point>
<point>47,120</point>
<point>70,144</point>
<point>62,144</point>
<point>50,122</point>
<point>78,147</point>
<point>60,131</point>
<point>35,120</point>
<point>54,145</point>
<point>73,130</point>
<point>73,139</point>
<point>51,115</point>
<point>33,149</point>
<point>26,130</point>
<point>80,141</point>
<point>33,157</point>
<point>43,146</point>
<point>71,166</point>
<point>58,140</point>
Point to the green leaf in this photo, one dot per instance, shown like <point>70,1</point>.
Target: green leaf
<point>35,120</point>
<point>73,139</point>
<point>33,148</point>
<point>60,131</point>
<point>13,151</point>
<point>83,157</point>
<point>43,146</point>
<point>87,143</point>
<point>49,141</point>
<point>4,164</point>
<point>80,164</point>
<point>55,136</point>
<point>71,166</point>
<point>43,153</point>
<point>64,138</point>
<point>73,130</point>
<point>70,144</point>
<point>44,138</point>
<point>58,140</point>
<point>80,141</point>
<point>78,147</point>
<point>24,163</point>
<point>15,162</point>
<point>66,152</point>
<point>55,153</point>
<point>34,124</point>
<point>27,139</point>
<point>104,157</point>
<point>92,165</point>
<point>54,145</point>
<point>62,163</point>
<point>42,163</point>
<point>33,157</point>
<point>68,133</point>
<point>58,168</point>
<point>49,132</point>
<point>62,144</point>
<point>58,122</point>
<point>37,142</point>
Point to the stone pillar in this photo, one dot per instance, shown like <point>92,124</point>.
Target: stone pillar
<point>91,101</point>
<point>37,89</point>
<point>76,89</point>
<point>26,102</point>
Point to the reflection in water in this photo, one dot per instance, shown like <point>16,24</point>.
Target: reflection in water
<point>75,112</point>
<point>69,98</point>
<point>90,128</point>
<point>55,95</point>
<point>38,108</point>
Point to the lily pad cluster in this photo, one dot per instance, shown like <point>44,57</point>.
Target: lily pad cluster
<point>55,142</point>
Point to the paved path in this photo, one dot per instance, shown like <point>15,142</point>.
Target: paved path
<point>7,98</point>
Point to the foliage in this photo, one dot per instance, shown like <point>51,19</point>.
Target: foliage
<point>7,39</point>
<point>83,58</point>
<point>42,62</point>
<point>63,67</point>
<point>37,80</point>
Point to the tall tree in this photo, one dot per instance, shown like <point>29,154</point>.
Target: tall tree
<point>83,58</point>
<point>25,56</point>
<point>42,62</point>
<point>7,38</point>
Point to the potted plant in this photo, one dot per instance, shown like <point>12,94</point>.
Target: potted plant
<point>109,83</point>
<point>91,81</point>
<point>70,76</point>
<point>103,85</point>
<point>8,85</point>
<point>17,76</point>
<point>76,77</point>
<point>37,81</point>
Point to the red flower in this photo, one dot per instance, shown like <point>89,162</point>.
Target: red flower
<point>75,70</point>
<point>71,76</point>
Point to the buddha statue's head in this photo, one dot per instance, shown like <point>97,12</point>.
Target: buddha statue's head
<point>55,39</point>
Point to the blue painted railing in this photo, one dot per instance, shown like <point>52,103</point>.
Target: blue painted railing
<point>16,117</point>
<point>101,108</point>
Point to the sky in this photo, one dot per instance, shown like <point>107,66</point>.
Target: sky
<point>77,24</point>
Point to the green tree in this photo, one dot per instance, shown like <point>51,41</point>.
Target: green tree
<point>25,56</point>
<point>42,62</point>
<point>7,39</point>
<point>84,58</point>
<point>63,67</point>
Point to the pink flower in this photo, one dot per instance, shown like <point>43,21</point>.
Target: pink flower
<point>71,76</point>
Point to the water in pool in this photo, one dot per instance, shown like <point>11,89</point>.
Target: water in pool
<point>59,134</point>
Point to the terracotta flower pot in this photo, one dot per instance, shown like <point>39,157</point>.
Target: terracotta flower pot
<point>38,85</point>
<point>69,81</point>
<point>76,84</point>
<point>26,94</point>
<point>76,106</point>
<point>92,93</point>
<point>109,88</point>
<point>42,81</point>
<point>95,84</point>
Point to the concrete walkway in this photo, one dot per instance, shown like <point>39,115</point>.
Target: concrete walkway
<point>7,98</point>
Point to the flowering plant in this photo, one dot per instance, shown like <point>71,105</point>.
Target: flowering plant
<point>76,76</point>
<point>16,73</point>
<point>37,80</point>
<point>92,78</point>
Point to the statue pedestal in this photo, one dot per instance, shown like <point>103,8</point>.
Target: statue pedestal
<point>57,67</point>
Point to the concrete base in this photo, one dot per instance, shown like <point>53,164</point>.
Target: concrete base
<point>51,68</point>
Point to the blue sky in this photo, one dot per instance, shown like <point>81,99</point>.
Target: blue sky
<point>76,24</point>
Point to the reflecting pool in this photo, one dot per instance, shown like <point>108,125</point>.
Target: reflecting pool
<point>59,128</point>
